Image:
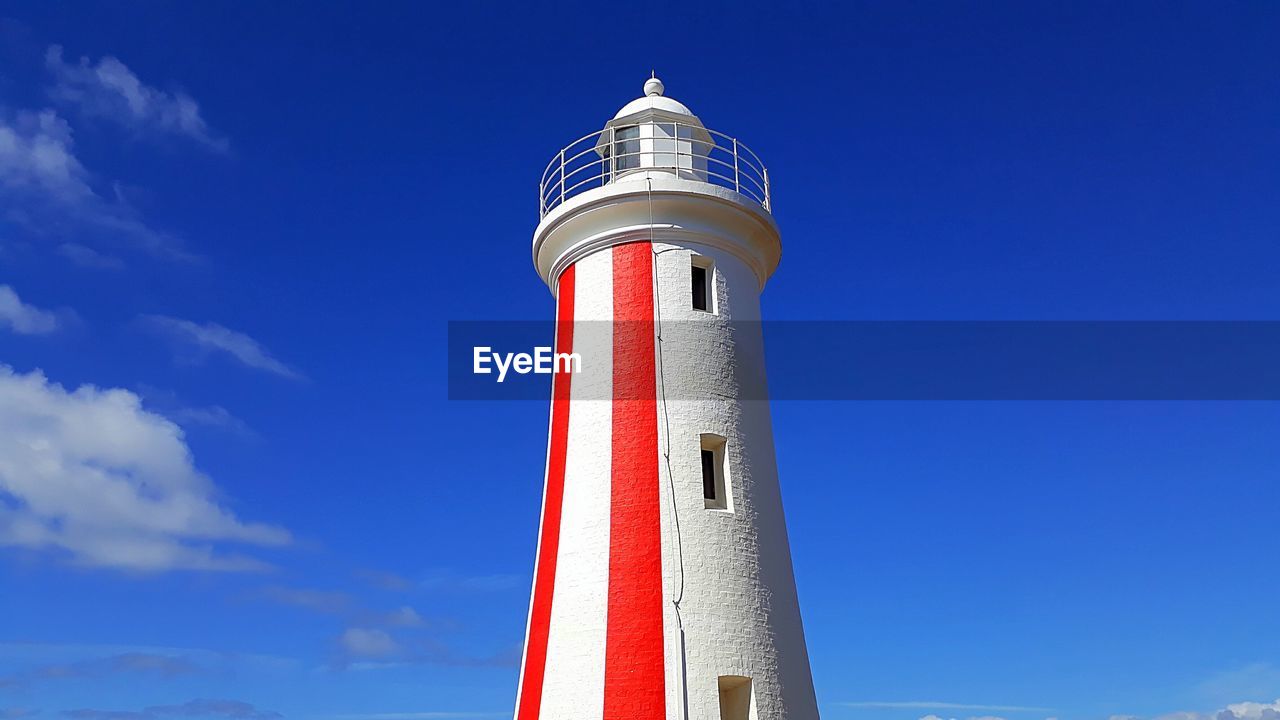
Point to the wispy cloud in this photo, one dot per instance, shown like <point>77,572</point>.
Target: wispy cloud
<point>91,714</point>
<point>366,648</point>
<point>212,416</point>
<point>369,636</point>
<point>385,580</point>
<point>368,644</point>
<point>36,156</point>
<point>86,257</point>
<point>422,715</point>
<point>109,89</point>
<point>454,582</point>
<point>213,338</point>
<point>44,187</point>
<point>402,617</point>
<point>147,663</point>
<point>37,656</point>
<point>322,601</point>
<point>235,709</point>
<point>93,474</point>
<point>23,318</point>
<point>169,404</point>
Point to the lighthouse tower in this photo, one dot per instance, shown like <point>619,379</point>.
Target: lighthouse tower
<point>663,587</point>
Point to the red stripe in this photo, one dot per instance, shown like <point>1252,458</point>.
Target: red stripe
<point>535,653</point>
<point>634,678</point>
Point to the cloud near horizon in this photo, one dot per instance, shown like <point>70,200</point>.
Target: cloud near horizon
<point>92,474</point>
<point>935,705</point>
<point>1234,711</point>
<point>123,663</point>
<point>234,709</point>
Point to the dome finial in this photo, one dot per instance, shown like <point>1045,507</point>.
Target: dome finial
<point>653,86</point>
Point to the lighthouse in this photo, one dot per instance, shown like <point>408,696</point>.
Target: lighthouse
<point>663,587</point>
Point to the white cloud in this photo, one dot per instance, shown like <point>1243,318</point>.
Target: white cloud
<point>93,474</point>
<point>45,187</point>
<point>36,154</point>
<point>110,89</point>
<point>1235,711</point>
<point>22,318</point>
<point>214,337</point>
<point>1251,710</point>
<point>368,643</point>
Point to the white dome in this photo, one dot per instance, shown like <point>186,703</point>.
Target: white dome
<point>653,100</point>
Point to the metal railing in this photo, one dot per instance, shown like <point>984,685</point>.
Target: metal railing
<point>685,150</point>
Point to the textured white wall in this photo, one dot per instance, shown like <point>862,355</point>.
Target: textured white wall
<point>739,606</point>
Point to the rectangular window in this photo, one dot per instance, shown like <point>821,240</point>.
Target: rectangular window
<point>700,272</point>
<point>735,697</point>
<point>626,148</point>
<point>715,485</point>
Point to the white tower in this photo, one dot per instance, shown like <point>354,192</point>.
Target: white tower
<point>663,587</point>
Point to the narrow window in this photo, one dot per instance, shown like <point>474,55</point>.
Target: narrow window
<point>700,272</point>
<point>735,697</point>
<point>715,487</point>
<point>709,475</point>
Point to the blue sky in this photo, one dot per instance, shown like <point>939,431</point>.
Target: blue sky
<point>231,235</point>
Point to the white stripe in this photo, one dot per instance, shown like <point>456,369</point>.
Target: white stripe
<point>574,683</point>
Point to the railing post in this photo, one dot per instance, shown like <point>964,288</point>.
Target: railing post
<point>675,144</point>
<point>766,190</point>
<point>737,186</point>
<point>562,177</point>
